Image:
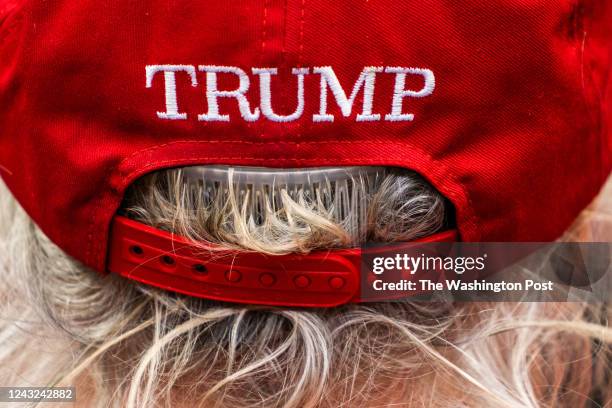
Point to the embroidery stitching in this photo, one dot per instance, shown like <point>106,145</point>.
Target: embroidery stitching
<point>172,110</point>
<point>212,94</point>
<point>401,92</point>
<point>328,79</point>
<point>265,79</point>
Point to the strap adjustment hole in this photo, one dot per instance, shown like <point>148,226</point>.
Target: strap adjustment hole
<point>167,260</point>
<point>199,268</point>
<point>136,250</point>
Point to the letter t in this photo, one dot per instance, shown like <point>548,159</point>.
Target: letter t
<point>172,110</point>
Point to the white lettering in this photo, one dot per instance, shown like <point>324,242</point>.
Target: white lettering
<point>329,79</point>
<point>401,92</point>
<point>212,94</point>
<point>172,110</point>
<point>265,91</point>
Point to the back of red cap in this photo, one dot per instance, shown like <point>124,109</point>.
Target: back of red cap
<point>504,106</point>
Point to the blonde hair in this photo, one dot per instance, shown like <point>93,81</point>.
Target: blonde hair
<point>128,345</point>
<point>399,207</point>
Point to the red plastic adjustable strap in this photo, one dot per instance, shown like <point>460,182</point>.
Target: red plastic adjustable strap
<point>158,258</point>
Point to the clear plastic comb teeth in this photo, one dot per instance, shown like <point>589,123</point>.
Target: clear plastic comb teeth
<point>261,191</point>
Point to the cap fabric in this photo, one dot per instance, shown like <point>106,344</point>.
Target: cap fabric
<point>503,105</point>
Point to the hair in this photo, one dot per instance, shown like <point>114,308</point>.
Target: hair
<point>130,345</point>
<point>396,206</point>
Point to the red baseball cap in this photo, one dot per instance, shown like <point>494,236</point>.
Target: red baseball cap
<point>503,106</point>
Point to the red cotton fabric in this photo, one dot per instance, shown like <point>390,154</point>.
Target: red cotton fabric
<point>516,131</point>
